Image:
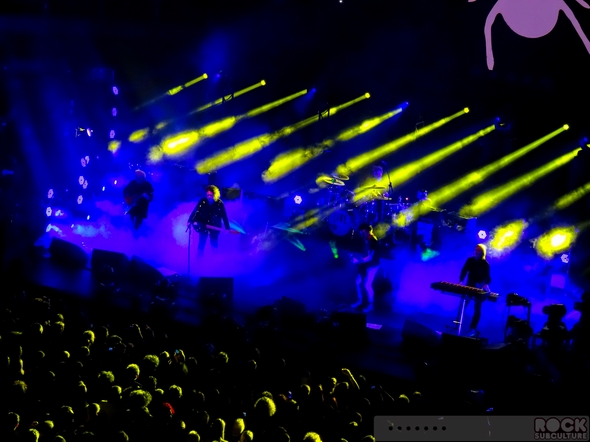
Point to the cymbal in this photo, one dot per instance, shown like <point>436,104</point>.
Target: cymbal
<point>332,180</point>
<point>341,177</point>
<point>373,187</point>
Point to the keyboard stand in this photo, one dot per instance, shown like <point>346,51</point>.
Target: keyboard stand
<point>460,314</point>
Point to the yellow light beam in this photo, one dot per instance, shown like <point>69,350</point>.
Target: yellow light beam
<point>174,90</point>
<point>354,164</point>
<point>269,106</point>
<point>139,135</point>
<point>181,87</point>
<point>492,198</point>
<point>142,134</point>
<point>178,144</point>
<point>450,191</point>
<point>556,240</point>
<point>217,127</point>
<point>249,147</point>
<point>410,170</point>
<point>229,97</point>
<point>571,197</point>
<point>506,237</point>
<point>287,162</point>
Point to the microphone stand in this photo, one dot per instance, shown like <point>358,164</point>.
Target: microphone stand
<point>190,231</point>
<point>390,186</point>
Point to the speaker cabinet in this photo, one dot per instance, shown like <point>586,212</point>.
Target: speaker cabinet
<point>67,254</point>
<point>103,261</point>
<point>142,274</point>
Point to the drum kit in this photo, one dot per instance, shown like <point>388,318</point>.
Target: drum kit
<point>345,214</point>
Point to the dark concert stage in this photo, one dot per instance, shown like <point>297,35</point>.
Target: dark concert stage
<point>291,108</point>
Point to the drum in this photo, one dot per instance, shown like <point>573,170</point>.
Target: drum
<point>341,222</point>
<point>373,212</point>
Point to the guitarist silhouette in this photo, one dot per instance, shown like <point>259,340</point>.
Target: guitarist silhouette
<point>207,217</point>
<point>138,194</point>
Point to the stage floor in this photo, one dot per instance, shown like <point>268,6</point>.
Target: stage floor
<point>268,267</point>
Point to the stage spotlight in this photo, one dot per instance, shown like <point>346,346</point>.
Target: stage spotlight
<point>505,238</point>
<point>114,112</point>
<point>83,162</point>
<point>466,110</point>
<point>50,194</point>
<point>565,258</point>
<point>566,126</point>
<point>115,90</point>
<point>490,199</point>
<point>368,95</point>
<point>354,164</point>
<point>112,134</point>
<point>482,234</point>
<point>297,199</point>
<point>115,182</point>
<point>88,218</point>
<point>467,182</point>
<point>48,211</point>
<point>556,241</point>
<point>114,146</point>
<point>289,161</point>
<point>249,147</point>
<point>89,132</point>
<point>85,184</point>
<point>81,180</point>
<point>87,158</point>
<point>80,199</point>
<point>103,188</point>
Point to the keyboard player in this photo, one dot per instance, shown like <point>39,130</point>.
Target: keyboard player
<point>477,271</point>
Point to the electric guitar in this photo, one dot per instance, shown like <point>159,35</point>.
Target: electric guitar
<point>199,228</point>
<point>131,201</point>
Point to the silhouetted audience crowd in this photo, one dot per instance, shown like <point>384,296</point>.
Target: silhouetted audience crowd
<point>74,374</point>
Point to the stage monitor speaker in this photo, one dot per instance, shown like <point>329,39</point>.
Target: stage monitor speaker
<point>68,254</point>
<point>415,333</point>
<point>143,274</point>
<point>463,345</point>
<point>217,292</point>
<point>102,259</point>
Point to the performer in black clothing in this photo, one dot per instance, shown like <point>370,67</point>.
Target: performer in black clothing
<point>138,194</point>
<point>207,217</point>
<point>477,270</point>
<point>367,266</point>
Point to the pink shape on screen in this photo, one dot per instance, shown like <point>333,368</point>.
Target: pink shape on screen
<point>530,19</point>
